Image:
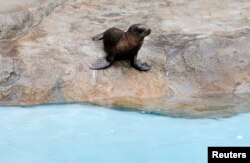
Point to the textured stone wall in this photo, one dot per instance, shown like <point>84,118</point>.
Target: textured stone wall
<point>197,48</point>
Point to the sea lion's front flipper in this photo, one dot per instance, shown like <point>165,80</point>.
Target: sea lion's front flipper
<point>101,63</point>
<point>141,66</point>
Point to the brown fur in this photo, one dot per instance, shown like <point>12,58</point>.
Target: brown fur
<point>120,45</point>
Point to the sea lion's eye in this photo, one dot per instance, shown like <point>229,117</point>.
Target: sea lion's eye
<point>139,30</point>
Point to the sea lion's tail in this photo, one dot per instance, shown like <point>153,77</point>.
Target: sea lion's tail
<point>98,37</point>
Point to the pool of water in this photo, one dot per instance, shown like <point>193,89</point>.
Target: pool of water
<point>83,133</point>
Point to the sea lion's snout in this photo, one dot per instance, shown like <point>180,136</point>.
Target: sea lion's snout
<point>146,32</point>
<point>149,31</point>
<point>143,29</point>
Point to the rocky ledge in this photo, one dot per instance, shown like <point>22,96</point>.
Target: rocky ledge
<point>197,48</point>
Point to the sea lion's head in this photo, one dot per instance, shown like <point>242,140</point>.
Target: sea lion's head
<point>139,30</point>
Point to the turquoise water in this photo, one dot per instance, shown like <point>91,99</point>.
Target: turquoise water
<point>81,133</point>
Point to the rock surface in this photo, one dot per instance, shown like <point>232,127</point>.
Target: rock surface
<point>196,48</point>
<point>18,16</point>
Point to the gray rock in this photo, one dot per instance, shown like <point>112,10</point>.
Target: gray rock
<point>210,65</point>
<point>19,16</point>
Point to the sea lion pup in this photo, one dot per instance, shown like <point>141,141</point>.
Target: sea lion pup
<point>120,45</point>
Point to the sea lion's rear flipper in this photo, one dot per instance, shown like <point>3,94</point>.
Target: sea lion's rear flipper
<point>141,66</point>
<point>98,37</point>
<point>101,63</point>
